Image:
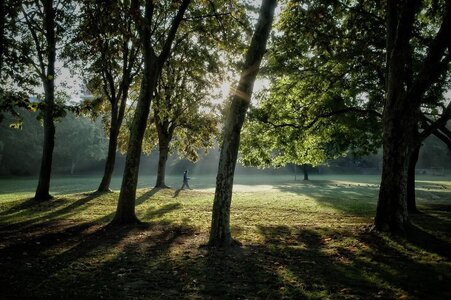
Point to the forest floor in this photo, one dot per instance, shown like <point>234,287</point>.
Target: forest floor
<point>299,240</point>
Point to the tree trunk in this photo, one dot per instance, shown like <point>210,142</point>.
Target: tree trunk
<point>305,169</point>
<point>163,148</point>
<point>111,157</point>
<point>391,214</point>
<point>220,225</point>
<point>125,212</point>
<point>398,118</point>
<point>2,34</point>
<point>403,100</point>
<point>72,167</point>
<point>162,159</point>
<point>411,201</point>
<point>42,191</point>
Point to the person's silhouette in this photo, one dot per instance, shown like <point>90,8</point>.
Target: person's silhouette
<point>185,180</point>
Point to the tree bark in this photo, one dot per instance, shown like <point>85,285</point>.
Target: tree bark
<point>220,235</point>
<point>164,131</point>
<point>117,97</point>
<point>403,100</point>
<point>398,119</point>
<point>111,156</point>
<point>411,201</point>
<point>72,167</point>
<point>125,212</point>
<point>391,214</point>
<point>2,34</point>
<point>162,159</point>
<point>42,191</point>
<point>305,169</point>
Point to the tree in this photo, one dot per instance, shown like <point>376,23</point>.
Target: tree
<point>180,110</point>
<point>406,85</point>
<point>220,225</point>
<point>182,118</point>
<point>152,66</point>
<point>325,96</point>
<point>183,109</point>
<point>106,43</point>
<point>41,19</point>
<point>429,127</point>
<point>326,67</point>
<point>16,74</point>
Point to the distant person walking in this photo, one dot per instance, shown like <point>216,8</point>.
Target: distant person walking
<point>185,180</point>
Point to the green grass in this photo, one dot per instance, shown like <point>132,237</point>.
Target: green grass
<point>299,240</point>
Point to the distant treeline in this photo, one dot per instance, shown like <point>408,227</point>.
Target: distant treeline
<point>81,145</point>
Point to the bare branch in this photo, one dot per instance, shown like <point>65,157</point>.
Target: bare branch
<point>172,32</point>
<point>443,137</point>
<point>39,50</point>
<point>430,126</point>
<point>324,116</point>
<point>207,16</point>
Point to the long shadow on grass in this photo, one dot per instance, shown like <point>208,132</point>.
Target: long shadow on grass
<point>359,200</point>
<point>146,196</point>
<point>31,207</point>
<point>58,262</point>
<point>429,232</point>
<point>317,263</point>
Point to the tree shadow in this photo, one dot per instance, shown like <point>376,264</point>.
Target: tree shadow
<point>318,262</point>
<point>132,248</point>
<point>147,195</point>
<point>356,199</point>
<point>164,260</point>
<point>29,207</point>
<point>428,233</point>
<point>54,251</point>
<point>31,203</point>
<point>159,212</point>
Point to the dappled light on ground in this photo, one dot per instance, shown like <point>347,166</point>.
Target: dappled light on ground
<point>299,240</point>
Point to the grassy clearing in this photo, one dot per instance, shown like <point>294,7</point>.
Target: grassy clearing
<point>300,240</point>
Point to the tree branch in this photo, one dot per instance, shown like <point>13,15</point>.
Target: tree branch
<point>216,15</point>
<point>443,137</point>
<point>434,65</point>
<point>323,116</point>
<point>430,126</point>
<point>172,32</point>
<point>39,51</point>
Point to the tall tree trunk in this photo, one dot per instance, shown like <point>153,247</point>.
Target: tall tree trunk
<point>411,201</point>
<point>72,167</point>
<point>391,214</point>
<point>163,152</point>
<point>220,225</point>
<point>125,212</point>
<point>398,118</point>
<point>404,94</point>
<point>111,156</point>
<point>42,191</point>
<point>2,33</point>
<point>305,169</point>
<point>162,159</point>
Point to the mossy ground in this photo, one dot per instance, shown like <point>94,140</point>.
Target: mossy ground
<point>299,240</point>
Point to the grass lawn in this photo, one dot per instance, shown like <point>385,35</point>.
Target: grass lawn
<point>299,240</point>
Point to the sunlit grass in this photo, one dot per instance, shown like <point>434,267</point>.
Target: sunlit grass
<point>299,240</point>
